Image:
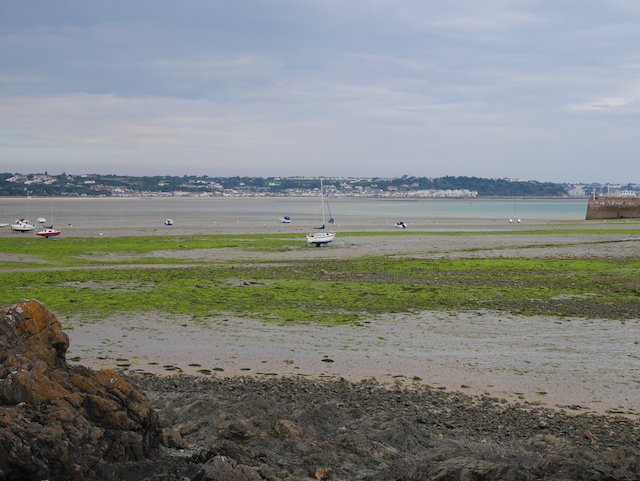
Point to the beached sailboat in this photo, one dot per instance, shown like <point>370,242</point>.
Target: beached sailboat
<point>322,237</point>
<point>22,225</point>
<point>514,218</point>
<point>48,232</point>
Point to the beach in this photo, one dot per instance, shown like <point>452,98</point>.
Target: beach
<point>492,385</point>
<point>589,364</point>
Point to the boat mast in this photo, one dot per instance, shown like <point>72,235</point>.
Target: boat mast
<point>322,201</point>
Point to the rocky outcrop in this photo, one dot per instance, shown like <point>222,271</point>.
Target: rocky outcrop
<point>285,429</point>
<point>63,422</point>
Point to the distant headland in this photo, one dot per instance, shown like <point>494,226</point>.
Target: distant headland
<point>100,185</point>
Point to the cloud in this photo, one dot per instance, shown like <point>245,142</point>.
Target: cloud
<point>321,86</point>
<point>602,104</point>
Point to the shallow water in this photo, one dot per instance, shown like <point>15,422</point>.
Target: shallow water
<point>193,212</point>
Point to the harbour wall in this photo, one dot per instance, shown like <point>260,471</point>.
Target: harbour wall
<point>613,208</point>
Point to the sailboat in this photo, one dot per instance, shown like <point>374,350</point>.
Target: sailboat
<point>514,218</point>
<point>323,237</point>
<point>48,232</point>
<point>23,225</point>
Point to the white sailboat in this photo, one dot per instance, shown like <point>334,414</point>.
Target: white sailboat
<point>514,218</point>
<point>323,237</point>
<point>23,225</point>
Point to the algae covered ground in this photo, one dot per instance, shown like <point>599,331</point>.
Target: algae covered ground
<point>93,277</point>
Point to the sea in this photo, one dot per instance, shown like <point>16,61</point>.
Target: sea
<point>254,213</point>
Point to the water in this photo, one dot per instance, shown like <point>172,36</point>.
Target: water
<point>255,213</point>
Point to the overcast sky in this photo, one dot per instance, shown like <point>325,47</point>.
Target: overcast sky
<point>544,90</point>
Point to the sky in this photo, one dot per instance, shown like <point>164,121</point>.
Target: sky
<point>544,90</point>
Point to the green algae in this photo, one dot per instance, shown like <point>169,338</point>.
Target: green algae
<point>339,291</point>
<point>106,276</point>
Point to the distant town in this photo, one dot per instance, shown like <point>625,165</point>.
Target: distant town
<point>98,185</point>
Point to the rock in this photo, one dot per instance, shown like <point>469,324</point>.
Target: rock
<point>222,468</point>
<point>320,473</point>
<point>59,421</point>
<point>172,438</point>
<point>299,428</point>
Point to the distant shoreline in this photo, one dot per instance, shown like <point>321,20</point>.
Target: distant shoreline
<point>357,197</point>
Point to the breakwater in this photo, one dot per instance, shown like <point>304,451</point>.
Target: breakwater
<point>613,208</point>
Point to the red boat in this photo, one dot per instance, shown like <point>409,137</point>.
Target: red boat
<point>48,232</point>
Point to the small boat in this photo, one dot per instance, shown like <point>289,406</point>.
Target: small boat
<point>285,219</point>
<point>400,225</point>
<point>323,238</point>
<point>515,219</point>
<point>320,238</point>
<point>4,225</point>
<point>41,220</point>
<point>168,222</point>
<point>22,225</point>
<point>48,232</point>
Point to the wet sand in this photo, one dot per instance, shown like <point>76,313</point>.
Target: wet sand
<point>586,364</point>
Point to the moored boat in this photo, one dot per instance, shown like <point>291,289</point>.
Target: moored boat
<point>22,225</point>
<point>322,238</point>
<point>48,232</point>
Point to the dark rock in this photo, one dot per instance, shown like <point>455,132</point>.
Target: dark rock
<point>289,428</point>
<point>222,468</point>
<point>59,421</point>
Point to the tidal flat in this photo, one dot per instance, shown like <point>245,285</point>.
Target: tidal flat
<point>549,315</point>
